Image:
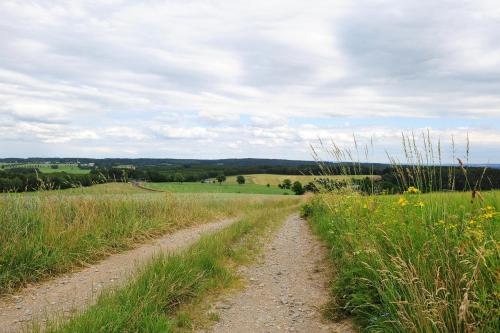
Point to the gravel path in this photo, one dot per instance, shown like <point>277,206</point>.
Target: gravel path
<point>286,290</point>
<point>66,294</point>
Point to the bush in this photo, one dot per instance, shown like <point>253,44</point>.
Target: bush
<point>287,183</point>
<point>297,188</point>
<point>221,178</point>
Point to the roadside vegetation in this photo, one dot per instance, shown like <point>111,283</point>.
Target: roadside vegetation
<point>414,261</point>
<point>43,235</point>
<point>156,298</point>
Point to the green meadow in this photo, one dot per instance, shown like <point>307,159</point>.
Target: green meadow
<point>217,188</point>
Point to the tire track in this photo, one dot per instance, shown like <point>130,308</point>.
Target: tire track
<point>72,292</point>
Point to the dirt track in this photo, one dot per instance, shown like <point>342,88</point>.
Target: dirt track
<point>73,292</point>
<point>285,291</point>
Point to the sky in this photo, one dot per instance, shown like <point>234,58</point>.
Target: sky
<point>230,79</point>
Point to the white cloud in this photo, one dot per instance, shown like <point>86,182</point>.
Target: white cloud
<point>127,73</point>
<point>124,133</point>
<point>196,132</point>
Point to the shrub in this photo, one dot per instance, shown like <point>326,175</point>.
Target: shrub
<point>221,178</point>
<point>297,188</point>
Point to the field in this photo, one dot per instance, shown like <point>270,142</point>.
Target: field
<point>47,168</point>
<point>399,263</point>
<point>217,188</point>
<point>271,179</point>
<point>48,233</point>
<point>102,189</point>
<point>414,262</point>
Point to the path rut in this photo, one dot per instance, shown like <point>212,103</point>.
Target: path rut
<point>286,289</point>
<point>75,291</point>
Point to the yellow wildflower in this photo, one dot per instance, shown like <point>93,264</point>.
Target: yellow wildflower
<point>402,202</point>
<point>420,204</point>
<point>451,226</point>
<point>486,216</point>
<point>413,190</point>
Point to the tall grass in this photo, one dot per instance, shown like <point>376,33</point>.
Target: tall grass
<point>413,262</point>
<point>43,235</point>
<point>150,301</point>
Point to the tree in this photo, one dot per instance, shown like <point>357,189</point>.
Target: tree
<point>179,178</point>
<point>297,188</point>
<point>221,178</point>
<point>286,183</point>
<point>311,187</point>
<point>240,180</point>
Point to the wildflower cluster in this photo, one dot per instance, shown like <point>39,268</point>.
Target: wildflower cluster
<point>487,213</point>
<point>402,202</point>
<point>369,237</point>
<point>419,203</point>
<point>405,201</point>
<point>412,190</point>
<point>474,229</point>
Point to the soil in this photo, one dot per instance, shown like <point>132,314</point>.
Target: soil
<point>286,291</point>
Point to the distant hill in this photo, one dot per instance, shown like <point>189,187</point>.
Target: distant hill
<point>229,162</point>
<point>232,162</point>
<point>491,166</point>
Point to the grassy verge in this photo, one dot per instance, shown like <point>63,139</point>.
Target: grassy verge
<point>150,302</point>
<point>45,235</point>
<point>413,263</point>
<point>217,188</point>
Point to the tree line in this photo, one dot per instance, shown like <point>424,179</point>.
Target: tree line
<point>27,180</point>
<point>389,180</point>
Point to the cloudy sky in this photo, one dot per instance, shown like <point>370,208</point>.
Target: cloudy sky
<point>217,79</point>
